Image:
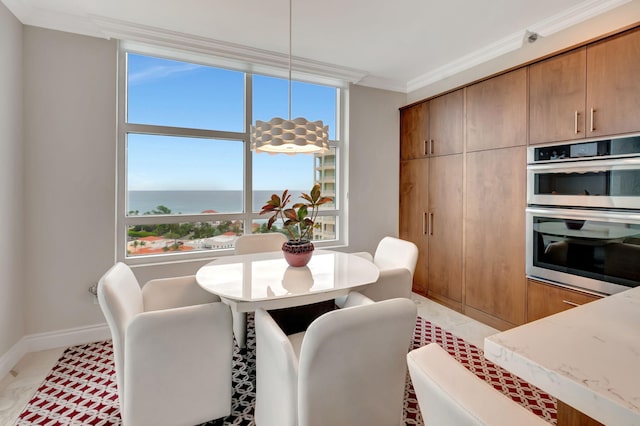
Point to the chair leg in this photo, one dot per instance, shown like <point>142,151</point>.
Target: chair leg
<point>240,328</point>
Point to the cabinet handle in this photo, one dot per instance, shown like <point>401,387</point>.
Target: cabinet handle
<point>593,127</point>
<point>431,148</point>
<point>570,303</point>
<point>430,223</point>
<point>575,121</point>
<point>426,147</point>
<point>424,223</point>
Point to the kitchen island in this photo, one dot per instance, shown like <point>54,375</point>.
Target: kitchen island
<point>588,357</point>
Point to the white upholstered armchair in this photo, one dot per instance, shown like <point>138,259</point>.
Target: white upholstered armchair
<point>451,395</point>
<point>173,349</point>
<point>348,368</point>
<point>396,260</point>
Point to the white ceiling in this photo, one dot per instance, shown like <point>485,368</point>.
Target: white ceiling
<point>398,45</point>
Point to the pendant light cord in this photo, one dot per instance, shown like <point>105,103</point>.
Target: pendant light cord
<point>290,24</point>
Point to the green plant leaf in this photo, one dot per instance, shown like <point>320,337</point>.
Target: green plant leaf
<point>302,212</point>
<point>315,192</point>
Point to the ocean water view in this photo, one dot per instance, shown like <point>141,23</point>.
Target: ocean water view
<point>194,202</point>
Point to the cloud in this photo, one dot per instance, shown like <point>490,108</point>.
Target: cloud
<point>159,72</point>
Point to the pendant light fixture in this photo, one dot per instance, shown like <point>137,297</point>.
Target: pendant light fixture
<point>289,136</point>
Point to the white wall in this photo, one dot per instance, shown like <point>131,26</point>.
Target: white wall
<point>12,325</point>
<point>70,157</point>
<point>373,165</point>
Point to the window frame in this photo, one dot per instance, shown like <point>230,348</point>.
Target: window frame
<point>123,221</point>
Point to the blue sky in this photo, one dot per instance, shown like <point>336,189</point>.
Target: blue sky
<point>172,93</point>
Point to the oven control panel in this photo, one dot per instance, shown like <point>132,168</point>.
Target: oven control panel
<point>610,148</point>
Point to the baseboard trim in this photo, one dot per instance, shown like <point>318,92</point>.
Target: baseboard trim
<point>50,340</point>
<point>9,359</point>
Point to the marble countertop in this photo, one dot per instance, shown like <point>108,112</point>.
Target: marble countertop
<point>588,357</point>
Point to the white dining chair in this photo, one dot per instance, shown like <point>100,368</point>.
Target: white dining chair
<point>396,259</point>
<point>259,243</point>
<point>348,368</point>
<point>247,244</point>
<point>451,395</point>
<point>172,346</point>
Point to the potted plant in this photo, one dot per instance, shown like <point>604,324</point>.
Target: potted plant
<point>299,220</point>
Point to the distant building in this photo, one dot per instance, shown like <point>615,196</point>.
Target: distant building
<point>325,175</point>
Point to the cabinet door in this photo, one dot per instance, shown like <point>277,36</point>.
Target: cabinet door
<point>557,98</point>
<point>497,112</point>
<point>494,232</point>
<point>546,299</point>
<point>613,85</point>
<point>445,228</point>
<point>446,123</point>
<point>414,207</point>
<point>414,131</point>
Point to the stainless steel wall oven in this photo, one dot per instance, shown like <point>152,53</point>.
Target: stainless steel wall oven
<point>583,214</point>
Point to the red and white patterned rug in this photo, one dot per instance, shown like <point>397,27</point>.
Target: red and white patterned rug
<point>81,389</point>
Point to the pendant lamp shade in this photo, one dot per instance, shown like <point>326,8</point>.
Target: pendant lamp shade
<point>289,136</point>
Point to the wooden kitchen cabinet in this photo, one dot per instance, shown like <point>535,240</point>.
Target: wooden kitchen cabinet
<point>588,92</point>
<point>433,127</point>
<point>446,124</point>
<point>431,217</point>
<point>414,208</point>
<point>495,200</point>
<point>429,131</point>
<point>445,230</point>
<point>497,112</point>
<point>613,85</point>
<point>557,98</point>
<point>494,236</point>
<point>414,131</point>
<point>545,299</point>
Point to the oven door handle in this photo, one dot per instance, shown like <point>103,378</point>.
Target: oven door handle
<point>591,165</point>
<point>584,214</point>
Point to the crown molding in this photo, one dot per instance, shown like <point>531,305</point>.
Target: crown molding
<point>499,48</point>
<point>575,15</point>
<point>232,55</point>
<point>243,57</point>
<point>567,18</point>
<point>383,84</point>
<point>256,60</point>
<point>28,14</point>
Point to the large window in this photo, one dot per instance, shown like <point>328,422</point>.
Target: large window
<point>188,182</point>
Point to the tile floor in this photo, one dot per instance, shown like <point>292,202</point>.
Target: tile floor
<point>17,388</point>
